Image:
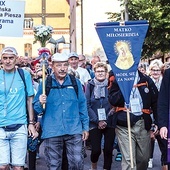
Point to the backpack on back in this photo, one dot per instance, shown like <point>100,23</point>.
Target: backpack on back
<point>49,86</point>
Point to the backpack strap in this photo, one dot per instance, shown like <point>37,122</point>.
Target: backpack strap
<point>74,83</point>
<point>48,85</point>
<point>21,73</point>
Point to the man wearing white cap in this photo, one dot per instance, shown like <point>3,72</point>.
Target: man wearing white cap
<point>65,119</point>
<point>13,116</point>
<point>83,73</point>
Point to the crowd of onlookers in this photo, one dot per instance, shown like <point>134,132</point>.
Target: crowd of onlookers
<point>98,82</point>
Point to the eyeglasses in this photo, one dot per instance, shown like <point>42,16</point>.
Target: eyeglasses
<point>82,60</point>
<point>100,71</point>
<point>155,70</point>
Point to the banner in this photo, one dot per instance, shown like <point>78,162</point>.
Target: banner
<point>12,18</point>
<point>122,43</point>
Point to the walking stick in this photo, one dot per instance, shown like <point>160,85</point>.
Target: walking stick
<point>130,138</point>
<point>44,54</point>
<point>43,77</point>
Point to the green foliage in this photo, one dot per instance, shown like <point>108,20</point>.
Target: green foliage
<point>157,12</point>
<point>113,16</point>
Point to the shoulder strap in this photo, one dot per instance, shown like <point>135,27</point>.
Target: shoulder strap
<point>74,83</point>
<point>21,73</point>
<point>48,85</point>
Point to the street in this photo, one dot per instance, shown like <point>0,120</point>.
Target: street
<point>115,165</point>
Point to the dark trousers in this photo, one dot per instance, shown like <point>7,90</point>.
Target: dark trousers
<point>64,159</point>
<point>152,147</point>
<point>163,148</point>
<point>96,138</point>
<point>32,160</point>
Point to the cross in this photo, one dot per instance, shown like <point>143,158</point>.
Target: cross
<point>44,15</point>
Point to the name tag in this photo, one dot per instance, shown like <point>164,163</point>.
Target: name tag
<point>135,105</point>
<point>101,114</point>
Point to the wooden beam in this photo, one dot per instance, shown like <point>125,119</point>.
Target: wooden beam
<point>43,15</point>
<point>49,15</point>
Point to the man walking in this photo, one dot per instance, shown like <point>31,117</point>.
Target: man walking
<point>65,119</point>
<point>143,98</point>
<point>13,117</point>
<point>83,74</point>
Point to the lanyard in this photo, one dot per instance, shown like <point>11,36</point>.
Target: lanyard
<point>133,91</point>
<point>7,92</point>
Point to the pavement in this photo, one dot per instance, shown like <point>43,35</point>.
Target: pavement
<point>41,165</point>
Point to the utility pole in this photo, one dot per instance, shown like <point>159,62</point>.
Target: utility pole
<point>126,10</point>
<point>82,26</point>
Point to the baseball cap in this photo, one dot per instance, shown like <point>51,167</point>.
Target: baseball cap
<point>73,54</point>
<point>59,57</point>
<point>9,50</point>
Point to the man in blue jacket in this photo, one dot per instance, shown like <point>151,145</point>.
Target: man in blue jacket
<point>65,119</point>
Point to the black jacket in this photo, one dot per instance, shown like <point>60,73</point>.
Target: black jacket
<point>163,100</point>
<point>149,98</point>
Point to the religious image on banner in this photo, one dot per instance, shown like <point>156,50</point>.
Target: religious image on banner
<point>125,58</point>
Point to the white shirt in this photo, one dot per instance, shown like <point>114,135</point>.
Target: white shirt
<point>84,75</point>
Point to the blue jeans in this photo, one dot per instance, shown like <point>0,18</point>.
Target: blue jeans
<point>54,151</point>
<point>13,146</point>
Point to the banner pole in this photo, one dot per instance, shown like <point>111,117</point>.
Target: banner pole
<point>130,138</point>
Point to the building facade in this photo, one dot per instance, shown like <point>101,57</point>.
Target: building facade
<point>47,12</point>
<point>89,12</point>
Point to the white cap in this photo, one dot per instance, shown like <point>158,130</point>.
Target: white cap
<point>73,54</point>
<point>59,57</point>
<point>9,50</point>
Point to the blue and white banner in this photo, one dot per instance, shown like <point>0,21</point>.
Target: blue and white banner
<point>122,43</point>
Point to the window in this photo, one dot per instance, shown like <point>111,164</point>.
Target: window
<point>28,23</point>
<point>28,50</point>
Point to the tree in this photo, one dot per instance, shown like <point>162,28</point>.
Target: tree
<point>157,12</point>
